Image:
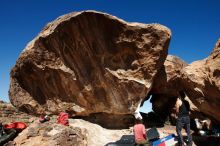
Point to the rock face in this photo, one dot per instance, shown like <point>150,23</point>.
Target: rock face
<point>88,62</point>
<point>201,80</point>
<point>166,86</point>
<point>165,90</point>
<point>167,81</point>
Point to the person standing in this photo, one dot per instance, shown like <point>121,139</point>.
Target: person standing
<point>183,119</point>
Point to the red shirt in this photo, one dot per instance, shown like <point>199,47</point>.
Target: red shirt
<point>139,132</point>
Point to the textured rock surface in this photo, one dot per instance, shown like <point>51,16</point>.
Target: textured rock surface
<point>9,114</point>
<point>201,80</point>
<point>51,134</point>
<point>166,81</point>
<point>165,89</point>
<point>166,86</point>
<point>79,133</point>
<point>88,62</point>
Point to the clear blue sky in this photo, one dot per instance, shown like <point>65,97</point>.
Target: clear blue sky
<point>195,24</point>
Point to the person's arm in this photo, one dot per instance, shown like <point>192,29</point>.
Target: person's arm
<point>145,136</point>
<point>178,104</point>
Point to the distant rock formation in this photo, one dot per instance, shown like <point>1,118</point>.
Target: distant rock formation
<point>201,81</point>
<point>8,114</point>
<point>88,62</point>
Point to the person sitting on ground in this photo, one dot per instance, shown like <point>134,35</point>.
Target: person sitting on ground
<point>140,132</point>
<point>183,119</point>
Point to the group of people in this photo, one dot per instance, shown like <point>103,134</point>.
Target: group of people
<point>183,121</point>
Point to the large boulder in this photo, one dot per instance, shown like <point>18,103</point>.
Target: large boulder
<point>167,79</point>
<point>88,62</point>
<point>165,90</point>
<point>166,86</point>
<point>201,80</point>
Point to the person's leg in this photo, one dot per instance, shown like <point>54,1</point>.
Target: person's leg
<point>142,143</point>
<point>179,126</point>
<point>188,131</point>
<point>147,143</point>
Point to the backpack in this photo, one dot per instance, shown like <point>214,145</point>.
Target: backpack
<point>153,134</point>
<point>63,118</point>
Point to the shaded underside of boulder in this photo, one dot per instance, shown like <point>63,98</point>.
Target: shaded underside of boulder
<point>201,80</point>
<point>110,121</point>
<point>88,62</point>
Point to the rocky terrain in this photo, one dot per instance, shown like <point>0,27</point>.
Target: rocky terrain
<point>78,133</point>
<point>9,113</point>
<point>98,67</point>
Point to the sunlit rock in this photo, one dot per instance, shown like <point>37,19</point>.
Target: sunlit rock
<point>88,62</point>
